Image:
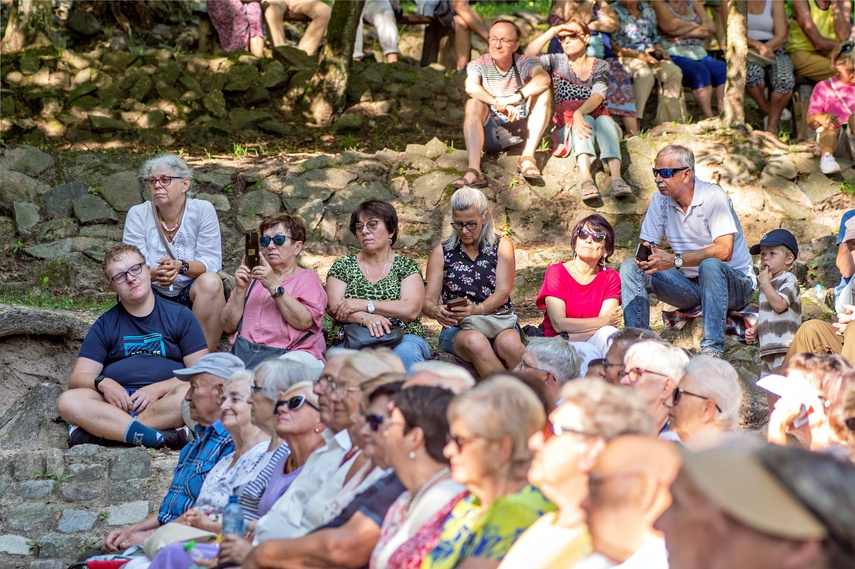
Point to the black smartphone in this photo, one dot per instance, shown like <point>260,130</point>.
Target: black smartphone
<point>642,252</point>
<point>456,303</point>
<point>252,249</point>
<point>658,55</point>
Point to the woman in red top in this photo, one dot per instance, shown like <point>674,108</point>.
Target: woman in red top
<point>582,296</point>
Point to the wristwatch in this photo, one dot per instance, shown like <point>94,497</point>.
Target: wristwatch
<point>97,383</point>
<point>678,260</point>
<point>185,266</point>
<point>278,292</point>
<point>370,306</point>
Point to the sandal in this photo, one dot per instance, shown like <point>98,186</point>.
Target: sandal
<point>589,190</point>
<point>620,189</point>
<point>479,182</point>
<point>530,171</point>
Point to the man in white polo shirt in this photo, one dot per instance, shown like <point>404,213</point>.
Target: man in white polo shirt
<point>710,265</point>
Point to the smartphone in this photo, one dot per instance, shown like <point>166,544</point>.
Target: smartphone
<point>456,303</point>
<point>658,55</point>
<point>642,252</point>
<point>803,417</point>
<point>252,249</point>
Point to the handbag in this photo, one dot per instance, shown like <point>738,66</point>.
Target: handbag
<point>491,325</point>
<point>252,354</point>
<point>173,532</point>
<point>440,10</point>
<point>357,336</point>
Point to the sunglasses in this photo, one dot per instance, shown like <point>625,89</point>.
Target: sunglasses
<point>552,430</point>
<point>597,236</point>
<point>847,47</point>
<point>678,393</point>
<point>278,240</point>
<point>667,172</point>
<point>850,423</point>
<point>374,421</point>
<point>570,35</point>
<point>460,442</point>
<point>293,404</point>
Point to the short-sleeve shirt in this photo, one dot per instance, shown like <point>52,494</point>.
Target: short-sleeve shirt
<point>776,331</point>
<point>709,216</point>
<point>823,99</point>
<point>373,502</point>
<point>226,479</point>
<point>484,71</point>
<point>547,545</point>
<point>138,351</point>
<point>640,33</point>
<point>567,86</point>
<point>474,279</point>
<point>580,301</point>
<point>489,534</point>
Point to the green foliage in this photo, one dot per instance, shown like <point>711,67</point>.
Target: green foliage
<point>46,299</point>
<point>19,244</point>
<point>847,187</point>
<point>57,476</point>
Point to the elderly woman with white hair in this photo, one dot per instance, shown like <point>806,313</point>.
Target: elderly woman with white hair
<point>707,400</point>
<point>653,370</point>
<point>552,359</point>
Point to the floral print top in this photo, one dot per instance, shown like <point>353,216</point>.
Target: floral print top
<point>640,33</point>
<point>463,277</point>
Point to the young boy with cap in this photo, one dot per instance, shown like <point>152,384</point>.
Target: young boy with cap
<point>780,307</point>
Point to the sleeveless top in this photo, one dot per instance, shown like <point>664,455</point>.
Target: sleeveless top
<point>463,277</point>
<point>824,22</point>
<point>761,27</point>
<point>691,48</point>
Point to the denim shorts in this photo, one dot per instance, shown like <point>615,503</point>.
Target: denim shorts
<point>182,298</point>
<point>493,143</point>
<point>447,336</point>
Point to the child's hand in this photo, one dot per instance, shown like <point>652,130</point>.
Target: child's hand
<point>765,276</point>
<point>751,335</point>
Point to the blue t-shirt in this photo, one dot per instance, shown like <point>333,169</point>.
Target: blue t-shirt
<point>139,351</point>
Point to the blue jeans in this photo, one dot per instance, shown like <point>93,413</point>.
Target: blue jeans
<point>717,289</point>
<point>412,350</point>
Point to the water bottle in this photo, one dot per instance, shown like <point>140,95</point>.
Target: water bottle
<point>193,552</point>
<point>819,293</point>
<point>233,522</point>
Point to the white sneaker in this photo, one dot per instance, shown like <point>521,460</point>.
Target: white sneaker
<point>786,115</point>
<point>828,165</point>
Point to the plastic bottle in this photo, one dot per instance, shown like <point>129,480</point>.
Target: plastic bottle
<point>819,293</point>
<point>233,522</point>
<point>193,552</point>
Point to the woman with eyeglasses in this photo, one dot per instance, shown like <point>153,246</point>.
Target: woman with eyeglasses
<point>277,303</point>
<point>472,273</point>
<point>580,85</point>
<point>489,428</point>
<point>581,296</point>
<point>831,111</point>
<point>180,240</point>
<point>377,288</point>
<point>416,433</point>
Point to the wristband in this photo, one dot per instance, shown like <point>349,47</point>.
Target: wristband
<point>97,383</point>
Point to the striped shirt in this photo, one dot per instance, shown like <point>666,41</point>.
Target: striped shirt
<point>776,331</point>
<point>194,463</point>
<point>484,72</point>
<point>250,493</point>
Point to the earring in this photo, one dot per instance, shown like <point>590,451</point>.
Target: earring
<point>412,455</point>
<point>390,241</point>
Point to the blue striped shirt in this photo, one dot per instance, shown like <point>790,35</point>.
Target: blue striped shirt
<point>250,493</point>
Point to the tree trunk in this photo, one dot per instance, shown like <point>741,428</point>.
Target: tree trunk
<point>328,89</point>
<point>29,26</point>
<point>737,54</point>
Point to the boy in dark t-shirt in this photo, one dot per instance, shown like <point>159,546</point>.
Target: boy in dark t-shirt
<point>122,387</point>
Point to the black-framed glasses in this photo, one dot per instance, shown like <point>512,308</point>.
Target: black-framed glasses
<point>133,270</point>
<point>603,362</point>
<point>523,365</point>
<point>460,442</point>
<point>278,240</point>
<point>164,180</point>
<point>678,394</point>
<point>550,430</point>
<point>500,41</point>
<point>468,226</point>
<point>371,225</point>
<point>294,403</point>
<point>636,373</point>
<point>667,172</point>
<point>375,421</point>
<point>597,236</point>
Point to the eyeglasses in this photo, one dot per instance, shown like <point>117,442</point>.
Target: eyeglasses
<point>278,240</point>
<point>374,421</point>
<point>371,225</point>
<point>598,236</point>
<point>570,36</point>
<point>603,362</point>
<point>339,392</point>
<point>678,393</point>
<point>468,226</point>
<point>164,180</point>
<point>552,430</point>
<point>523,366</point>
<point>637,372</point>
<point>293,404</point>
<point>500,41</point>
<point>133,270</point>
<point>460,442</point>
<point>254,389</point>
<point>667,172</point>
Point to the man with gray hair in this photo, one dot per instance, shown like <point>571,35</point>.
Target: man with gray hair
<point>555,360</point>
<point>653,370</point>
<point>710,265</point>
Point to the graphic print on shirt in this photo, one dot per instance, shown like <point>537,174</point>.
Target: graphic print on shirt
<point>149,344</point>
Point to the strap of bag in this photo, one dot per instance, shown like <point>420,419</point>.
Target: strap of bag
<point>163,238</point>
<point>839,96</point>
<point>299,341</point>
<point>516,71</point>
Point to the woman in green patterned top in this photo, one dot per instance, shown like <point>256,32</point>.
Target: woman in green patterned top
<point>373,286</point>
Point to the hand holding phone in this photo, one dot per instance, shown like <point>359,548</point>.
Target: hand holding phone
<point>456,303</point>
<point>252,249</point>
<point>643,252</point>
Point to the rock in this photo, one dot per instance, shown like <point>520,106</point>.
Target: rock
<point>59,545</point>
<point>417,161</point>
<point>435,148</point>
<point>215,103</point>
<point>819,187</point>
<point>317,162</point>
<point>346,200</point>
<point>74,521</point>
<point>33,489</point>
<point>107,124</point>
<point>109,232</point>
<point>219,180</point>
<point>46,564</point>
<point>86,472</point>
<point>26,417</point>
<point>133,463</point>
<point>432,187</point>
<point>27,517</point>
<point>240,77</point>
<point>454,160</point>
<point>243,119</point>
<point>255,206</point>
<point>122,190</point>
<point>781,165</point>
<point>219,201</point>
<point>787,188</point>
<point>91,209</point>
<point>311,212</point>
<point>83,22</point>
<point>294,59</point>
<point>779,203</point>
<point>50,251</point>
<point>348,121</point>
<point>26,217</point>
<point>28,160</point>
<point>29,64</point>
<point>127,490</point>
<point>82,90</point>
<point>80,492</point>
<point>126,514</point>
<point>274,76</point>
<point>56,229</point>
<point>14,544</point>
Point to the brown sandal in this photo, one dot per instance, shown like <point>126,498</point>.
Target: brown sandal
<point>589,190</point>
<point>479,182</point>
<point>531,171</point>
<point>620,189</point>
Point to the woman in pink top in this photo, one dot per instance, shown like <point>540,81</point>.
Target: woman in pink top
<point>276,303</point>
<point>831,112</point>
<point>582,296</point>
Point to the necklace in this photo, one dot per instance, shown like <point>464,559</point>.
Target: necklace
<point>425,487</point>
<point>370,275</point>
<point>175,227</point>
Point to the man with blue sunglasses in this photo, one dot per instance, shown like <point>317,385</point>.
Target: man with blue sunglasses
<point>710,265</point>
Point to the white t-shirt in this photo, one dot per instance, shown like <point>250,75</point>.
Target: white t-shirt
<point>651,555</point>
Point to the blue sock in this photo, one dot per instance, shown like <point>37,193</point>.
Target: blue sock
<point>139,434</point>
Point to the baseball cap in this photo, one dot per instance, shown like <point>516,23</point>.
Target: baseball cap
<point>780,237</point>
<point>220,364</point>
<point>737,480</point>
<point>850,230</point>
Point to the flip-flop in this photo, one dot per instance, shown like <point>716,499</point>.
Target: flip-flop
<point>479,182</point>
<point>589,190</point>
<point>620,189</point>
<point>529,172</point>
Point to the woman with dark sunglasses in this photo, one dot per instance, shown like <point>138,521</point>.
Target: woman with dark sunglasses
<point>581,296</point>
<point>277,303</point>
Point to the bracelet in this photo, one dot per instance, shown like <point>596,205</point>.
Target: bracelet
<point>363,319</point>
<point>97,383</point>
